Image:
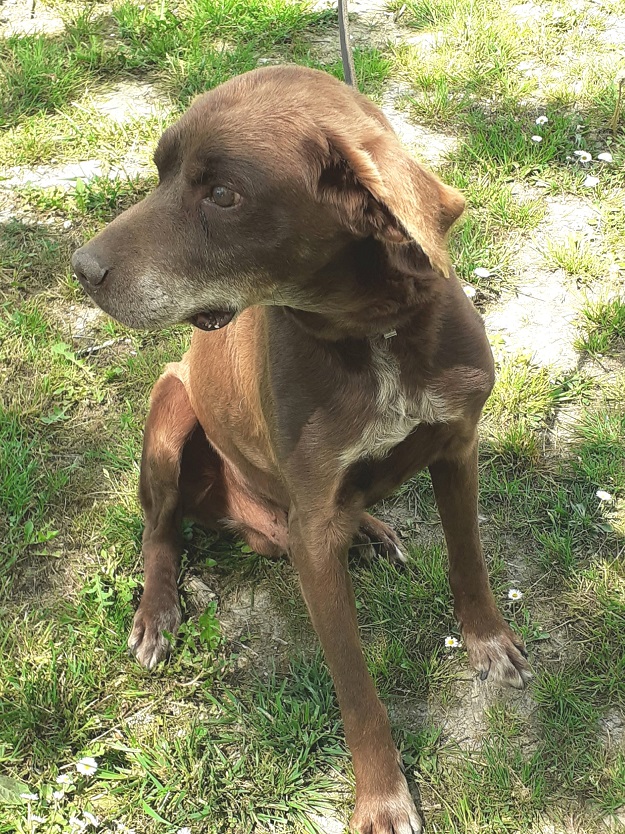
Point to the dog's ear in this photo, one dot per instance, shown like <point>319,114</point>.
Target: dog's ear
<point>379,190</point>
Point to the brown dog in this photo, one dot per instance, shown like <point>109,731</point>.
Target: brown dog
<point>288,210</point>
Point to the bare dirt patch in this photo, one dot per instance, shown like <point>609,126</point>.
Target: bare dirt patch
<point>527,12</point>
<point>123,101</point>
<point>538,317</point>
<point>82,320</point>
<point>614,33</point>
<point>428,145</point>
<point>64,176</point>
<point>370,25</point>
<point>26,17</point>
<point>328,824</point>
<point>251,620</point>
<point>538,314</point>
<point>613,725</point>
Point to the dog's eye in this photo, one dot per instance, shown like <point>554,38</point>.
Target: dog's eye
<point>224,197</point>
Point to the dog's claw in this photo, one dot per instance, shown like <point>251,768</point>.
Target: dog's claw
<point>400,557</point>
<point>375,538</point>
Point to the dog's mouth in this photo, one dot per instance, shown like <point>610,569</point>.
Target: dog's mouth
<point>211,319</point>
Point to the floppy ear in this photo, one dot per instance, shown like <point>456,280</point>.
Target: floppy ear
<point>379,190</point>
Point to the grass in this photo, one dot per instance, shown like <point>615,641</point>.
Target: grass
<point>575,257</point>
<point>603,326</point>
<point>515,416</point>
<point>240,731</point>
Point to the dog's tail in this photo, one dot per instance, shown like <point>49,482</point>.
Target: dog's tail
<point>347,57</point>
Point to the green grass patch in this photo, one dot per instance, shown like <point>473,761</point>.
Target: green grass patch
<point>207,41</point>
<point>503,141</point>
<point>38,75</point>
<point>600,447</point>
<point>76,133</point>
<point>373,68</point>
<point>423,14</point>
<point>29,483</point>
<point>98,200</point>
<point>488,233</point>
<point>602,326</point>
<point>192,48</point>
<point>404,652</point>
<point>575,257</point>
<point>29,254</point>
<point>475,59</point>
<point>522,401</point>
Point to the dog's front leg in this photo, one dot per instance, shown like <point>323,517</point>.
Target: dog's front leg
<point>494,650</point>
<point>319,550</point>
<point>170,423</point>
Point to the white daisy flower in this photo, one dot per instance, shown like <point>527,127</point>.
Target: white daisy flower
<point>537,138</point>
<point>515,595</point>
<point>122,828</point>
<point>583,156</point>
<point>602,495</point>
<point>58,795</point>
<point>542,120</point>
<point>605,157</point>
<point>184,830</point>
<point>591,182</point>
<point>450,643</point>
<point>64,779</point>
<point>482,272</point>
<point>469,291</point>
<point>30,797</point>
<point>87,766</point>
<point>35,818</point>
<point>91,819</point>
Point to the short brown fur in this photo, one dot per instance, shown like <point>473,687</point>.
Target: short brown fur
<point>354,360</point>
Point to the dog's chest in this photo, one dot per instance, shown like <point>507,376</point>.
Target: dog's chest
<point>395,412</point>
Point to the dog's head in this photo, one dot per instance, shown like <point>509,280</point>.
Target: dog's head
<point>266,184</point>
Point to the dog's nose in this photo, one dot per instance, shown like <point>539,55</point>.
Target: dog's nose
<point>88,268</point>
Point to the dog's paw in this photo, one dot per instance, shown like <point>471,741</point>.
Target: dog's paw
<point>147,640</point>
<point>375,538</point>
<point>386,814</point>
<point>500,657</point>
